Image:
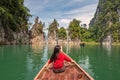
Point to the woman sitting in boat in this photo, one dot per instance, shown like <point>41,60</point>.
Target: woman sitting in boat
<point>58,57</point>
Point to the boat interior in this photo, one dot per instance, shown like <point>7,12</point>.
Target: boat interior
<point>72,72</point>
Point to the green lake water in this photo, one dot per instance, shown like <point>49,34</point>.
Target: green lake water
<point>23,62</point>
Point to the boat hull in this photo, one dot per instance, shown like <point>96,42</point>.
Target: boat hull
<point>72,72</point>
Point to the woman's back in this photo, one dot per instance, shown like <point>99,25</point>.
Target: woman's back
<point>58,58</point>
<point>59,61</point>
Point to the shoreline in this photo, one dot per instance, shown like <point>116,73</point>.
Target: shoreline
<point>64,43</point>
<point>92,43</point>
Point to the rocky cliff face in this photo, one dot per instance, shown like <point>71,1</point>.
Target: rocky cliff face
<point>53,32</point>
<point>100,9</point>
<point>105,8</point>
<point>2,34</point>
<point>106,20</point>
<point>36,33</point>
<point>52,37</point>
<point>37,36</point>
<point>34,36</point>
<point>7,36</point>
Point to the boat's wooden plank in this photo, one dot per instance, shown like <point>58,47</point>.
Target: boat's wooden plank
<point>80,68</point>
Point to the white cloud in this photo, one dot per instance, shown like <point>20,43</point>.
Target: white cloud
<point>64,22</point>
<point>84,14</point>
<point>72,3</point>
<point>62,10</point>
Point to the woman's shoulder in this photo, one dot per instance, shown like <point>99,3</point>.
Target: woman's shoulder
<point>61,52</point>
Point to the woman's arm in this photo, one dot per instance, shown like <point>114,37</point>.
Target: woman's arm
<point>66,58</point>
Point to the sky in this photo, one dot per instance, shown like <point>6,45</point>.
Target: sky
<point>63,11</point>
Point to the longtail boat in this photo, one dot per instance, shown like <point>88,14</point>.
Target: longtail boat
<point>73,72</point>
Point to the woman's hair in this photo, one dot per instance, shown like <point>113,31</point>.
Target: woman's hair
<point>56,51</point>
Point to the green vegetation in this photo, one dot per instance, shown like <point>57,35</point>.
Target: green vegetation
<point>40,27</point>
<point>107,21</point>
<point>78,32</point>
<point>75,31</point>
<point>53,27</point>
<point>85,35</point>
<point>62,33</point>
<point>13,15</point>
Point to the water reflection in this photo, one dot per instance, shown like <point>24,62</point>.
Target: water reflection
<point>36,48</point>
<point>107,48</point>
<point>79,54</point>
<point>29,66</point>
<point>85,63</point>
<point>1,51</point>
<point>45,54</point>
<point>25,61</point>
<point>67,48</point>
<point>35,59</point>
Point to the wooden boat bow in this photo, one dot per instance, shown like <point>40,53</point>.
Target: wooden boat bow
<point>73,72</point>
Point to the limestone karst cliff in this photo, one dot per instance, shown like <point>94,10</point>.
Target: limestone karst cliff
<point>106,21</point>
<point>36,33</point>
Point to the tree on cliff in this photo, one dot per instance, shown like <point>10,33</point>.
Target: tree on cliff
<point>78,32</point>
<point>62,33</point>
<point>37,28</point>
<point>13,15</point>
<point>53,27</point>
<point>85,34</point>
<point>74,29</point>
